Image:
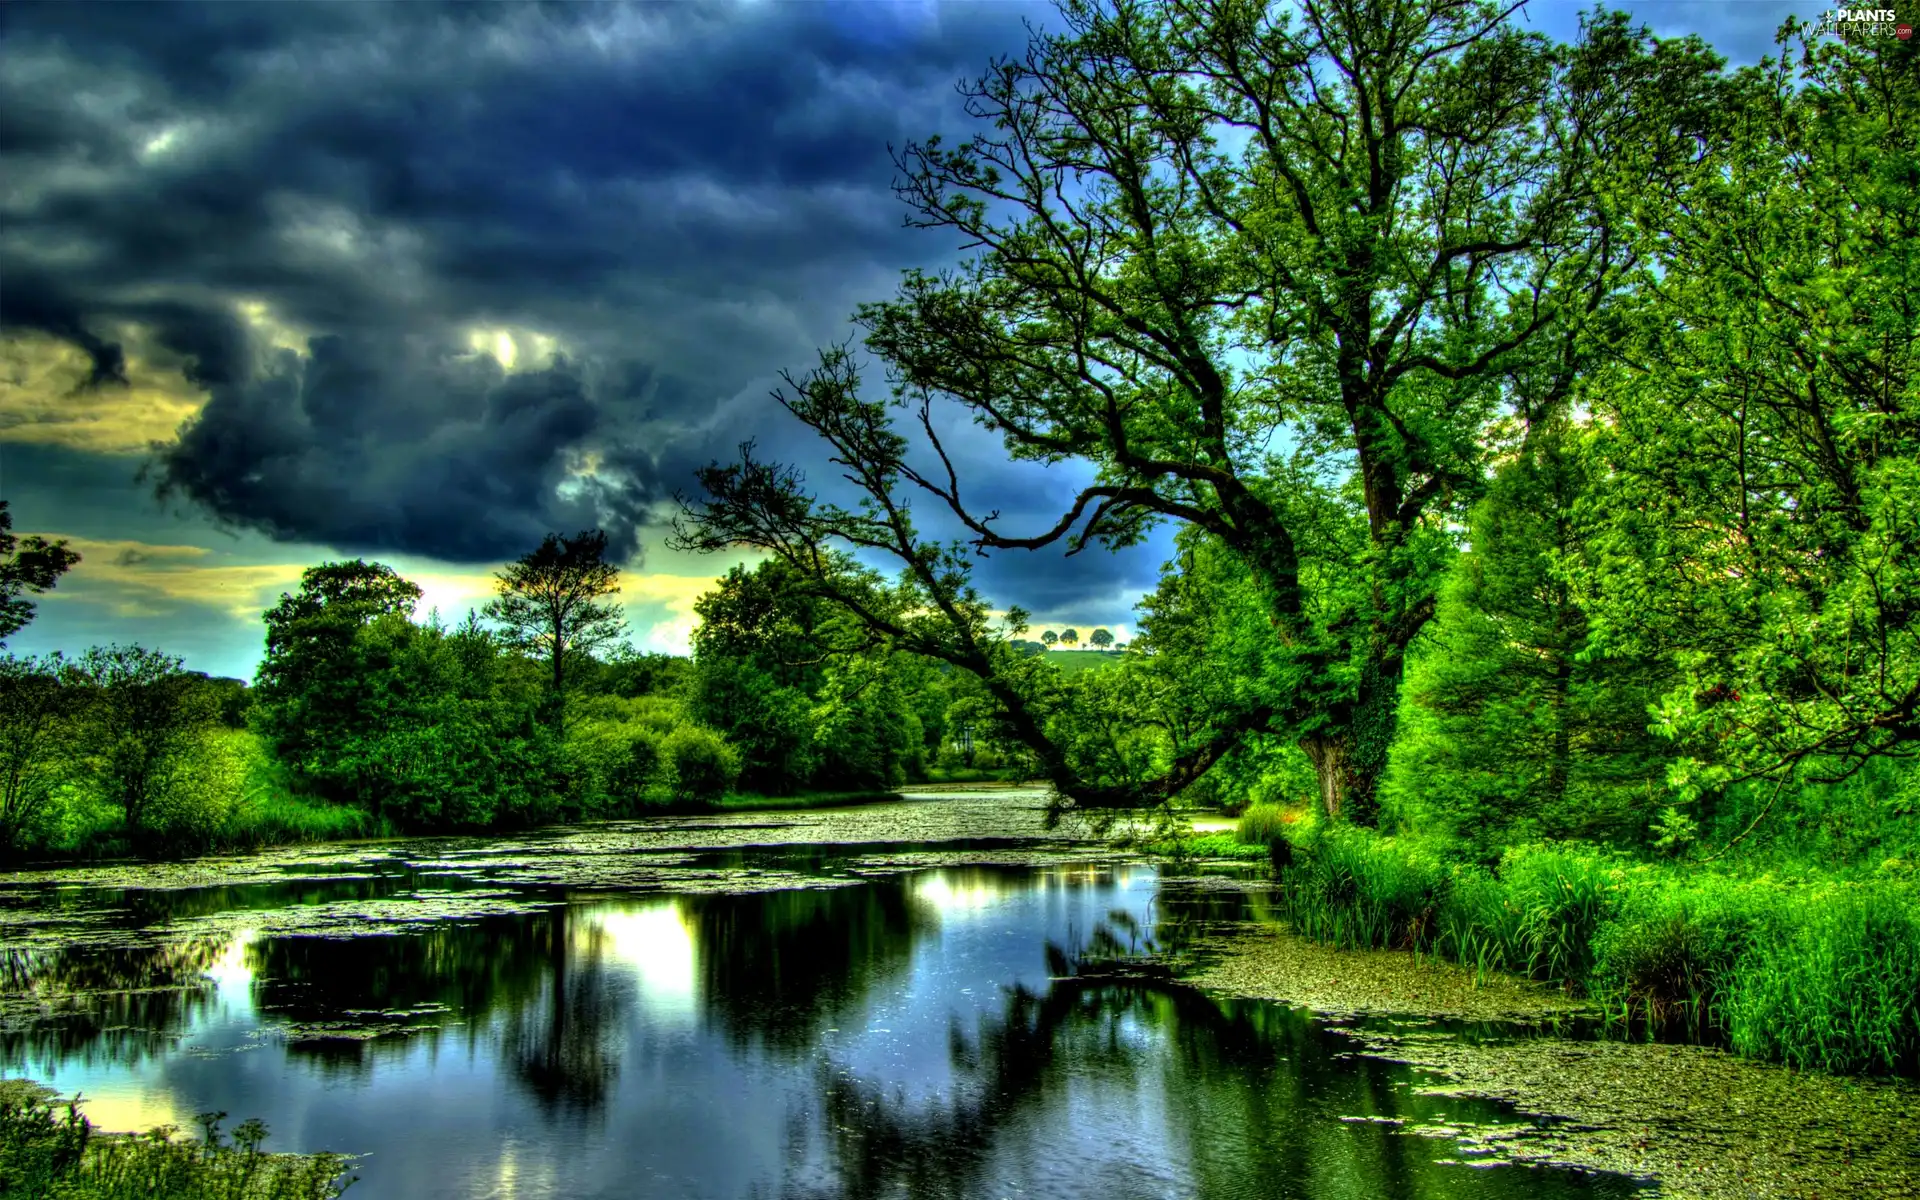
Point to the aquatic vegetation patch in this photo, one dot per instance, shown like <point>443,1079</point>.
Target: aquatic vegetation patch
<point>1702,1123</point>
<point>1274,963</point>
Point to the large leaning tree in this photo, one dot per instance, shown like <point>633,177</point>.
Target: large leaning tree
<point>1290,276</point>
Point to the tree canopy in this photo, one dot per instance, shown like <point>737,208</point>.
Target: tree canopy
<point>549,600</point>
<point>1289,279</point>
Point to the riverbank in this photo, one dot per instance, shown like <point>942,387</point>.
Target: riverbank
<point>278,820</point>
<point>1696,1121</point>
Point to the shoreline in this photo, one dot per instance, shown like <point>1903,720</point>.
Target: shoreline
<point>1696,1122</point>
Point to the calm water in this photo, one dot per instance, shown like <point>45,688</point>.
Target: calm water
<point>874,1034</point>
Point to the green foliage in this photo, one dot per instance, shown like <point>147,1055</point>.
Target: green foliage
<point>1304,347</point>
<point>1832,982</point>
<point>804,696</point>
<point>1356,890</point>
<point>615,751</point>
<point>1819,974</point>
<point>144,740</point>
<point>419,725</point>
<point>1664,963</point>
<point>37,727</point>
<point>549,602</point>
<point>1182,849</point>
<point>32,564</point>
<point>49,1151</point>
<point>1265,824</point>
<point>623,671</point>
<point>700,766</point>
<point>1761,424</point>
<point>307,689</point>
<point>1515,727</point>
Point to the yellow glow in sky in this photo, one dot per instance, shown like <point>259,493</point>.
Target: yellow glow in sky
<point>275,332</point>
<point>522,348</point>
<point>42,401</point>
<point>140,579</point>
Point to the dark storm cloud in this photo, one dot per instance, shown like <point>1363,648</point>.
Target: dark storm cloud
<point>687,198</point>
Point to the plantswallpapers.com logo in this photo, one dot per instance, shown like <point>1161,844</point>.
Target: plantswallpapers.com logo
<point>1855,23</point>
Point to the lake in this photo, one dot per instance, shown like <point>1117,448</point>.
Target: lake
<point>930,999</point>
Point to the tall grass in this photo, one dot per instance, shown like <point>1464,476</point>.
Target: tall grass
<point>1355,890</point>
<point>1833,984</point>
<point>49,1151</point>
<point>1264,824</point>
<point>1815,975</point>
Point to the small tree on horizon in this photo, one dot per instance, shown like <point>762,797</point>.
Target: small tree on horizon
<point>1050,637</point>
<point>1069,637</point>
<point>1101,638</point>
<point>550,603</point>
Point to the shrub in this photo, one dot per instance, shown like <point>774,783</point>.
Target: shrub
<point>1357,890</point>
<point>1480,925</point>
<point>1561,898</point>
<point>1665,959</point>
<point>701,767</point>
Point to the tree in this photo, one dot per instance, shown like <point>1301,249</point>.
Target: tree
<point>759,655</point>
<point>1517,726</point>
<point>36,739</point>
<point>806,695</point>
<point>1280,279</point>
<point>1101,638</point>
<point>309,690</point>
<point>549,602</point>
<point>1069,637</point>
<point>32,564</point>
<point>1049,638</point>
<point>143,721</point>
<point>1762,425</point>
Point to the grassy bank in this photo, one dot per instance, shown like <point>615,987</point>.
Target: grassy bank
<point>1811,970</point>
<point>50,1151</point>
<point>263,809</point>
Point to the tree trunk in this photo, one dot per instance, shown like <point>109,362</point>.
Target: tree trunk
<point>556,698</point>
<point>1329,757</point>
<point>1559,766</point>
<point>1350,758</point>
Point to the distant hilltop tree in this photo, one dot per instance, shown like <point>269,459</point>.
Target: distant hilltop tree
<point>1049,637</point>
<point>1069,637</point>
<point>1101,638</point>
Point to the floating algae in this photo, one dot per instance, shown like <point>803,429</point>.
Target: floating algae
<point>1696,1121</point>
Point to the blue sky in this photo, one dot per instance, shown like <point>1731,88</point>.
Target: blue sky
<point>423,281</point>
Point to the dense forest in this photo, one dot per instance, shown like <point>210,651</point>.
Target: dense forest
<point>1539,430</point>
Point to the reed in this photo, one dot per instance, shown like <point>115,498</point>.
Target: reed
<point>1822,974</point>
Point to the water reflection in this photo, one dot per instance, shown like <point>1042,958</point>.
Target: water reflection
<point>954,1032</point>
<point>777,968</point>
